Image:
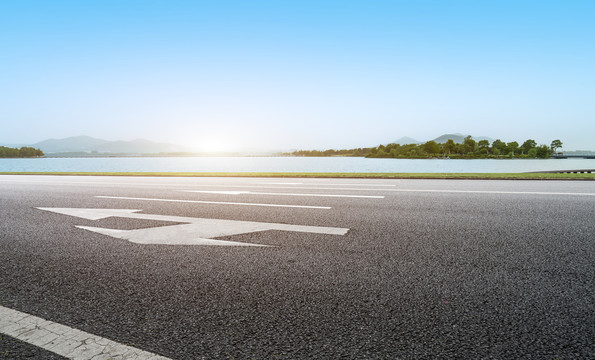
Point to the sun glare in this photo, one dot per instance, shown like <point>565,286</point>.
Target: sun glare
<point>212,146</point>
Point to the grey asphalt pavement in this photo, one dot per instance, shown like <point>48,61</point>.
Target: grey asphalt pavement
<point>428,268</point>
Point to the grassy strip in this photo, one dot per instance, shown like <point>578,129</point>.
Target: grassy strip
<point>477,176</point>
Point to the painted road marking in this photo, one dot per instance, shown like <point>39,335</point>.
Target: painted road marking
<point>494,192</point>
<point>214,202</point>
<point>193,231</point>
<point>108,183</point>
<point>286,187</point>
<point>279,183</point>
<point>20,181</point>
<point>283,194</point>
<point>320,183</point>
<point>416,190</point>
<point>64,340</point>
<point>84,183</point>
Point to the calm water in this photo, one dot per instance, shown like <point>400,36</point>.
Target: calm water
<point>289,164</point>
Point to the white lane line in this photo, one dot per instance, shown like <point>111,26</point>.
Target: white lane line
<point>214,202</point>
<point>286,187</point>
<point>64,340</point>
<point>107,183</point>
<point>419,190</point>
<point>283,194</point>
<point>279,183</point>
<point>494,192</point>
<point>83,183</point>
<point>320,183</point>
<point>308,188</point>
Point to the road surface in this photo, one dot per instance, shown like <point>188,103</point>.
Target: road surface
<point>190,268</point>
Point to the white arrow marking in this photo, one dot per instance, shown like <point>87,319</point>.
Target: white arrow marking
<point>93,214</point>
<point>193,231</point>
<point>215,202</point>
<point>283,194</point>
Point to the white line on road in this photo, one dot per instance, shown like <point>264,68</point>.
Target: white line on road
<point>279,183</point>
<point>64,340</point>
<point>493,192</point>
<point>107,183</point>
<point>20,181</point>
<point>320,183</point>
<point>287,187</point>
<point>420,190</point>
<point>283,194</point>
<point>415,190</point>
<point>215,202</point>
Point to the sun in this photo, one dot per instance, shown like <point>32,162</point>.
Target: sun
<point>212,146</point>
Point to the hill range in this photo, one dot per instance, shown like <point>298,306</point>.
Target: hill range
<point>79,145</point>
<point>457,138</point>
<point>89,144</point>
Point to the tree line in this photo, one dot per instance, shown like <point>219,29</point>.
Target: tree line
<point>469,149</point>
<point>361,152</point>
<point>24,152</point>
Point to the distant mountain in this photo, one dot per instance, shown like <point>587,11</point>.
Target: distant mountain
<point>405,140</point>
<point>14,146</point>
<point>89,144</point>
<point>71,144</point>
<point>459,138</point>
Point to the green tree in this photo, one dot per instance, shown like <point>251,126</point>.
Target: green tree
<point>483,144</point>
<point>381,153</point>
<point>498,145</point>
<point>407,149</point>
<point>431,147</point>
<point>512,147</point>
<point>556,144</point>
<point>459,148</point>
<point>543,151</point>
<point>449,146</point>
<point>532,153</point>
<point>469,145</point>
<point>416,151</point>
<point>24,152</point>
<point>528,145</point>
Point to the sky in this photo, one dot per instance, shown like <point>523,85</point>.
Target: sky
<point>277,75</point>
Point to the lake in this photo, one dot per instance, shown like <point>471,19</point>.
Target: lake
<point>289,164</point>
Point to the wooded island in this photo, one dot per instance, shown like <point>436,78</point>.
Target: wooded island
<point>468,149</point>
<point>24,152</point>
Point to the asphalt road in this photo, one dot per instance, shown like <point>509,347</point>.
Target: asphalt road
<point>428,268</point>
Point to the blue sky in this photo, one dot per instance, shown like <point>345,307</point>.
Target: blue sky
<point>297,74</point>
